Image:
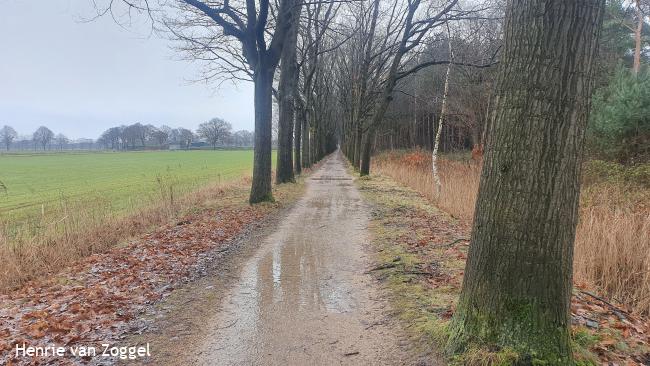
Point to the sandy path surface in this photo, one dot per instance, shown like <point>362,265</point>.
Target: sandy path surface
<point>299,296</point>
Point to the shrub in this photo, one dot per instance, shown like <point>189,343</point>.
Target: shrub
<point>620,119</point>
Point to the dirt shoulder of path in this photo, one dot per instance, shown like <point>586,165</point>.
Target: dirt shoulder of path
<point>102,298</point>
<point>422,251</point>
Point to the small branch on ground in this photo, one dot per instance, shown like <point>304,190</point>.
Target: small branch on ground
<point>452,243</point>
<point>381,267</point>
<point>615,308</point>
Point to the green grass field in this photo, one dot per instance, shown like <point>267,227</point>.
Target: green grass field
<point>40,183</point>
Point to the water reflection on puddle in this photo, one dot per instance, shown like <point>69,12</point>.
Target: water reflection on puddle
<point>302,276</point>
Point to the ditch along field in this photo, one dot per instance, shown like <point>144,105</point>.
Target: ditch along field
<point>612,249</point>
<point>59,207</point>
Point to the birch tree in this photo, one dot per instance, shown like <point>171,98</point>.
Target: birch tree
<point>443,112</point>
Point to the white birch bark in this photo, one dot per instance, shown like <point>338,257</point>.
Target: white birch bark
<point>443,112</point>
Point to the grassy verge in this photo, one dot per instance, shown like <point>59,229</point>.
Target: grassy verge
<point>612,250</point>
<point>58,207</point>
<point>421,253</point>
<point>88,231</point>
<point>99,299</point>
<point>411,237</point>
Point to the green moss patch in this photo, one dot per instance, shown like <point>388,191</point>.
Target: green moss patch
<point>420,258</point>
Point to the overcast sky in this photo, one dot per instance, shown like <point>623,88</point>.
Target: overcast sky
<point>81,78</point>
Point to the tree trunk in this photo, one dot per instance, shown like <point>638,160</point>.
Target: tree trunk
<point>314,145</point>
<point>637,38</point>
<point>518,278</point>
<point>366,152</point>
<point>298,138</point>
<point>305,142</point>
<point>380,112</point>
<point>443,114</point>
<point>387,92</point>
<point>261,189</point>
<point>288,86</point>
<point>358,139</point>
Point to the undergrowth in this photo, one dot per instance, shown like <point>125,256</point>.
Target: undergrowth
<point>612,249</point>
<point>420,255</point>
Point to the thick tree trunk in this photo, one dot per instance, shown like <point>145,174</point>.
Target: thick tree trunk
<point>261,189</point>
<point>287,90</point>
<point>518,279</point>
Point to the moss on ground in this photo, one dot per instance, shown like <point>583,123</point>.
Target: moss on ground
<point>420,255</point>
<point>403,267</point>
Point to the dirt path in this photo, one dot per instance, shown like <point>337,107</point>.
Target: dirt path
<point>301,296</point>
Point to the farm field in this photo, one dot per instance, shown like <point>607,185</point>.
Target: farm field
<point>56,208</point>
<point>40,184</point>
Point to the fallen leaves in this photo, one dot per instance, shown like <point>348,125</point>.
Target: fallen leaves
<point>620,338</point>
<point>439,243</point>
<point>97,299</point>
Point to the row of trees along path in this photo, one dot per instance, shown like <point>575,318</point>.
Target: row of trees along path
<point>342,63</point>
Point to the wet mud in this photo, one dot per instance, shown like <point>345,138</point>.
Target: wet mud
<point>297,294</point>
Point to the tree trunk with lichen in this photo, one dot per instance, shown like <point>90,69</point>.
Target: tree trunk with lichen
<point>518,279</point>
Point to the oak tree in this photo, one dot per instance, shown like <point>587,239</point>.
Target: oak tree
<point>518,278</point>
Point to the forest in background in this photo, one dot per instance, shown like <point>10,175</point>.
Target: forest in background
<point>619,127</point>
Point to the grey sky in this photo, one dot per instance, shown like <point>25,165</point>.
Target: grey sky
<point>81,78</point>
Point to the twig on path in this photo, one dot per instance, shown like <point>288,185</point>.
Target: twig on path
<point>375,323</point>
<point>452,243</point>
<point>620,312</point>
<point>421,273</point>
<point>229,325</point>
<point>382,266</point>
<point>351,353</point>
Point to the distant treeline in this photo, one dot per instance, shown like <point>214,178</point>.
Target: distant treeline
<point>212,134</point>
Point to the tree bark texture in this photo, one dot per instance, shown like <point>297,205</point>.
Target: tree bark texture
<point>287,90</point>
<point>261,189</point>
<point>518,278</point>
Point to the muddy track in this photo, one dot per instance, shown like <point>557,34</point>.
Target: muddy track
<point>293,293</point>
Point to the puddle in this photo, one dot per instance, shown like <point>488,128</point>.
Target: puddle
<point>302,297</point>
